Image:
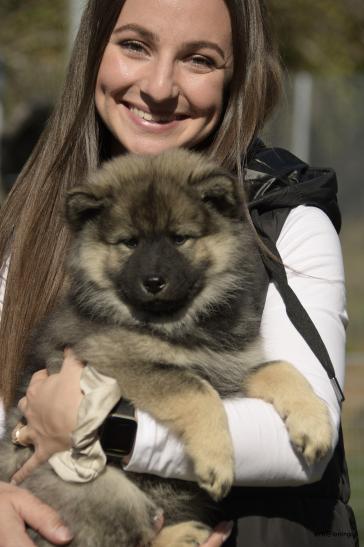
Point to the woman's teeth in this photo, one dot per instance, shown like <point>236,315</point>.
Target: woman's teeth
<point>151,117</point>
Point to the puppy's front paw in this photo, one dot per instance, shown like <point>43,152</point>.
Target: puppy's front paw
<point>185,534</point>
<point>310,429</point>
<point>215,472</point>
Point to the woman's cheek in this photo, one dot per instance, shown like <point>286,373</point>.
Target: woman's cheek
<point>206,94</point>
<point>115,70</point>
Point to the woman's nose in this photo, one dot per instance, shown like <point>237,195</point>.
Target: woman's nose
<point>159,81</point>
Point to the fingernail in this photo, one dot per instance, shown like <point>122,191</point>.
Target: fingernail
<point>226,529</point>
<point>63,533</point>
<point>158,520</point>
<point>158,515</point>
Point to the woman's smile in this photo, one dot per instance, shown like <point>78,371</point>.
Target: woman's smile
<point>153,117</point>
<point>147,121</point>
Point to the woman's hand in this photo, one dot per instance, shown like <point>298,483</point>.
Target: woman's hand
<point>50,408</point>
<point>18,508</point>
<point>219,535</point>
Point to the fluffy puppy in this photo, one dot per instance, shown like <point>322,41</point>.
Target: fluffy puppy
<point>165,295</point>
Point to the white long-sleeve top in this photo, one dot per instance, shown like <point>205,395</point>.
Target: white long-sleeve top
<point>310,249</point>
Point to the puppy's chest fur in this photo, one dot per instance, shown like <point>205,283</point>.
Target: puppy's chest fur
<point>130,352</point>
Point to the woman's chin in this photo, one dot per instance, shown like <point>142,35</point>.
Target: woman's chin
<point>145,147</point>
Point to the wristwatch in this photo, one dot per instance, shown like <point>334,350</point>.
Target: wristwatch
<point>117,433</point>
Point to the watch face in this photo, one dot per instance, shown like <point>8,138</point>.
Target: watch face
<point>118,435</point>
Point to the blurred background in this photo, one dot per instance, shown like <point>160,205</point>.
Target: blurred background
<point>321,120</point>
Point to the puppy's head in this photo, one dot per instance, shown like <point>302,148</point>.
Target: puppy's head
<point>156,238</point>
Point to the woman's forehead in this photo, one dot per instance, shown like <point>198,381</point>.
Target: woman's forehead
<point>182,20</point>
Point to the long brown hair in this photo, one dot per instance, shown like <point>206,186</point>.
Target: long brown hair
<point>31,224</point>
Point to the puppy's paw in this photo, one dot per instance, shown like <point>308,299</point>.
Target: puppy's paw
<point>310,429</point>
<point>215,473</point>
<point>185,534</point>
<point>212,455</point>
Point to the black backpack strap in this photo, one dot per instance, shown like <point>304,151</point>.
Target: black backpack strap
<point>295,310</point>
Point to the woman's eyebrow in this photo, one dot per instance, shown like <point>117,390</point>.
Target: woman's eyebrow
<point>200,44</point>
<point>149,35</point>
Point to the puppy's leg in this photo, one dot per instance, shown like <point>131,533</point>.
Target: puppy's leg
<point>193,410</point>
<point>305,415</point>
<point>185,534</point>
<point>186,403</point>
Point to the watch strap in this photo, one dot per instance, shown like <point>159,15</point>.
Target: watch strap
<point>124,408</point>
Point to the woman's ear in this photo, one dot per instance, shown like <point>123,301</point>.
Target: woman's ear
<point>82,205</point>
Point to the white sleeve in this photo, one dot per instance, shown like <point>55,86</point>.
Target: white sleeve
<point>310,248</point>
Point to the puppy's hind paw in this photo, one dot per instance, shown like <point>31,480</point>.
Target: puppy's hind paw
<point>185,534</point>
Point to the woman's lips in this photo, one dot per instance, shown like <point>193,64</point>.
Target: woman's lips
<point>159,122</point>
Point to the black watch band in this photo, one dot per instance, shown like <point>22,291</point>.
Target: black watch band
<point>117,433</point>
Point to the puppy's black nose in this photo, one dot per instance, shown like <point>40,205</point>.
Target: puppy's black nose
<point>154,284</point>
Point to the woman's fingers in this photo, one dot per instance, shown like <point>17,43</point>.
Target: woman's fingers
<point>44,520</point>
<point>40,375</point>
<point>220,534</point>
<point>12,529</point>
<point>28,467</point>
<point>70,357</point>
<point>36,380</point>
<point>17,507</point>
<point>50,422</point>
<point>158,521</point>
<point>22,405</point>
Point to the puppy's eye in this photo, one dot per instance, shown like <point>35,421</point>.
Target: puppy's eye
<point>130,243</point>
<point>179,239</point>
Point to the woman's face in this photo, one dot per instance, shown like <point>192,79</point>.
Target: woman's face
<point>162,77</point>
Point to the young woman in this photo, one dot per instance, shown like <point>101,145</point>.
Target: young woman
<point>145,77</point>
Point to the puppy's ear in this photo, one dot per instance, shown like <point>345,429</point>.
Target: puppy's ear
<point>83,205</point>
<point>221,190</point>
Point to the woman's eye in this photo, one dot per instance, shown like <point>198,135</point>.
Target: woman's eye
<point>131,243</point>
<point>179,239</point>
<point>133,46</point>
<point>200,61</point>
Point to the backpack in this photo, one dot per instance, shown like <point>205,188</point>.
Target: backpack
<point>316,514</point>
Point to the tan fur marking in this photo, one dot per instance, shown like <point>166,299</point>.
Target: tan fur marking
<point>94,257</point>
